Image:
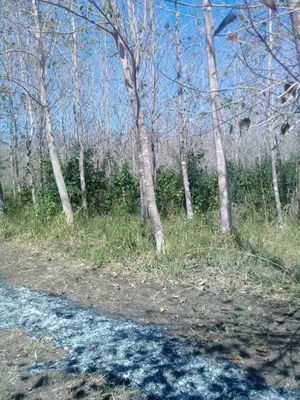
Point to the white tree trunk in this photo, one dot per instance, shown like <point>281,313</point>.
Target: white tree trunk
<point>272,134</point>
<point>46,120</point>
<point>1,199</point>
<point>78,116</point>
<point>131,81</point>
<point>28,139</point>
<point>182,138</point>
<point>14,156</point>
<point>154,88</point>
<point>224,193</point>
<point>294,8</point>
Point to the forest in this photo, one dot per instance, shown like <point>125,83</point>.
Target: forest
<point>159,133</point>
<point>149,199</point>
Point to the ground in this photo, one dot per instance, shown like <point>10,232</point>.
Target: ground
<point>256,327</point>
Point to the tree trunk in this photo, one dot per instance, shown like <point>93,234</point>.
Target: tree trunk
<point>14,159</point>
<point>78,116</point>
<point>30,123</point>
<point>1,199</point>
<point>272,134</point>
<point>46,120</point>
<point>130,71</point>
<point>14,156</point>
<point>28,140</point>
<point>275,183</point>
<point>182,138</point>
<point>224,193</point>
<point>154,89</point>
<point>294,7</point>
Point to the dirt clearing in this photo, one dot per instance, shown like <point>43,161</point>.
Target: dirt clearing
<point>250,326</point>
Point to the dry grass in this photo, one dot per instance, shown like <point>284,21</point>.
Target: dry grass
<point>258,252</point>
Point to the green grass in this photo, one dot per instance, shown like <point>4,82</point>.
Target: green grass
<point>258,253</point>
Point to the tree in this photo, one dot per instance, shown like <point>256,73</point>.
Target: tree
<point>272,134</point>
<point>224,193</point>
<point>13,131</point>
<point>129,51</point>
<point>46,119</point>
<point>1,199</point>
<point>30,120</point>
<point>78,116</point>
<point>180,124</point>
<point>294,8</point>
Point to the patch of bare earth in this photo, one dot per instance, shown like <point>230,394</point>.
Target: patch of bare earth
<point>18,352</point>
<point>230,318</point>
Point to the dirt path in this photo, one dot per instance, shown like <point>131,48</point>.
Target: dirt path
<point>241,323</point>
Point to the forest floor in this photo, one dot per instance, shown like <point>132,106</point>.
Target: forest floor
<point>254,326</point>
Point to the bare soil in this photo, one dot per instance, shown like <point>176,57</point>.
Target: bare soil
<point>18,352</point>
<point>228,317</point>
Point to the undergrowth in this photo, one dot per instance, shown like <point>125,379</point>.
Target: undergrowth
<point>257,252</point>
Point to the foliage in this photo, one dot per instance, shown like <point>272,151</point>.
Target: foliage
<point>203,184</point>
<point>251,187</point>
<point>169,191</point>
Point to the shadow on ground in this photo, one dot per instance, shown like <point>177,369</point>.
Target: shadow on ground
<point>127,353</point>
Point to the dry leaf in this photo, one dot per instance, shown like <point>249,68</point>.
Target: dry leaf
<point>285,128</point>
<point>232,36</point>
<point>244,123</point>
<point>270,3</point>
<point>261,349</point>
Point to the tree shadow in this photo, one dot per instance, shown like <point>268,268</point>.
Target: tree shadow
<point>131,354</point>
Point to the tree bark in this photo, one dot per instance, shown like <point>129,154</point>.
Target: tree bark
<point>46,120</point>
<point>14,157</point>
<point>78,116</point>
<point>130,72</point>
<point>154,89</point>
<point>272,134</point>
<point>182,138</point>
<point>1,199</point>
<point>294,8</point>
<point>28,141</point>
<point>224,192</point>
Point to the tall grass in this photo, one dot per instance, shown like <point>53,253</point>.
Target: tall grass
<point>258,251</point>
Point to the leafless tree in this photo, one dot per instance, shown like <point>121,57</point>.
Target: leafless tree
<point>272,134</point>
<point>224,193</point>
<point>78,115</point>
<point>46,119</point>
<point>181,124</point>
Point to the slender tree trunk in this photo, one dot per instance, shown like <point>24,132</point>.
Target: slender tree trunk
<point>78,116</point>
<point>14,156</point>
<point>153,78</point>
<point>14,159</point>
<point>1,199</point>
<point>294,7</point>
<point>30,123</point>
<point>182,138</point>
<point>46,120</point>
<point>130,71</point>
<point>224,192</point>
<point>272,134</point>
<point>143,208</point>
<point>41,155</point>
<point>28,140</point>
